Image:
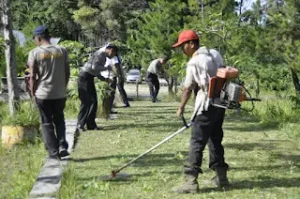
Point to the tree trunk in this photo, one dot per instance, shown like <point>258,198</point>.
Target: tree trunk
<point>10,56</point>
<point>295,81</point>
<point>176,85</point>
<point>170,85</point>
<point>257,89</point>
<point>240,11</point>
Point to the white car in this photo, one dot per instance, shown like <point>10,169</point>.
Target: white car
<point>133,76</point>
<point>162,82</point>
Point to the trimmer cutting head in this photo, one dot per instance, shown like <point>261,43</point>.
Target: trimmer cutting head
<point>115,177</point>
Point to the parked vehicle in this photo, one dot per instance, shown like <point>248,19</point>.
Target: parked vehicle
<point>134,75</point>
<point>163,82</point>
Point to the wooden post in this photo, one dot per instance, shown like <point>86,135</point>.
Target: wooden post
<point>10,56</point>
<point>137,88</point>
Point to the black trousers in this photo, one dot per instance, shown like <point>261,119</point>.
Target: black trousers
<point>122,92</point>
<point>153,83</point>
<point>53,124</point>
<point>207,129</point>
<point>88,97</point>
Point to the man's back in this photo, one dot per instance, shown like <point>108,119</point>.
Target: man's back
<point>154,66</point>
<point>204,65</point>
<point>201,67</point>
<point>51,62</point>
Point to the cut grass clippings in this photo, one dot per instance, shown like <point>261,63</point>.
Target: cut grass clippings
<point>264,161</point>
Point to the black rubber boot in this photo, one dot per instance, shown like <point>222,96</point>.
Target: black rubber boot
<point>190,184</point>
<point>221,179</point>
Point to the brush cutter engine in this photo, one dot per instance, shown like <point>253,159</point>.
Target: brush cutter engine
<point>226,93</point>
<point>231,95</point>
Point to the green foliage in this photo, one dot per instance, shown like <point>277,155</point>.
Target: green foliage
<point>2,57</point>
<point>26,115</point>
<point>85,16</point>
<point>156,32</point>
<point>21,57</point>
<point>69,179</point>
<point>277,112</point>
<point>73,102</point>
<point>56,15</point>
<point>78,53</point>
<point>273,114</point>
<point>103,94</point>
<point>19,169</point>
<point>177,65</point>
<point>262,42</point>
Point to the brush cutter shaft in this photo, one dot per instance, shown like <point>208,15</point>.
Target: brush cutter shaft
<point>154,147</point>
<point>252,99</point>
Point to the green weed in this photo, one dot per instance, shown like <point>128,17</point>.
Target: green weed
<point>19,168</point>
<point>26,115</point>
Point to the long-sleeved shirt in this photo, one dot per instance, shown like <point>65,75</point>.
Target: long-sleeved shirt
<point>96,63</point>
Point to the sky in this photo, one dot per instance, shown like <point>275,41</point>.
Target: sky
<point>248,4</point>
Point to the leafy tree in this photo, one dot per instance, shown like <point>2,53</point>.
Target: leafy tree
<point>78,54</point>
<point>283,27</point>
<point>57,15</point>
<point>156,31</point>
<point>107,20</point>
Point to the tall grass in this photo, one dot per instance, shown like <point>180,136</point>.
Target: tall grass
<point>278,111</point>
<point>70,186</point>
<point>273,110</point>
<point>20,165</point>
<point>19,168</point>
<point>27,114</point>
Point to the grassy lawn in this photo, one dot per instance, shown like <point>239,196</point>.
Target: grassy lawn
<point>264,160</point>
<point>19,168</point>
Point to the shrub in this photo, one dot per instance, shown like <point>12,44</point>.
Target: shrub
<point>26,115</point>
<point>104,92</point>
<point>277,112</point>
<point>78,53</point>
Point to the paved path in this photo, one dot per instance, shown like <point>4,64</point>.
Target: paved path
<point>48,181</point>
<point>143,91</point>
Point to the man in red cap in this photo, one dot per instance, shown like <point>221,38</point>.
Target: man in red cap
<point>208,120</point>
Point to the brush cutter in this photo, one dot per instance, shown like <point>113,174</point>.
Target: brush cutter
<point>222,93</point>
<point>115,175</point>
<point>227,91</point>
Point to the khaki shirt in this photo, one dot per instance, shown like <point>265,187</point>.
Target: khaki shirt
<point>200,68</point>
<point>51,62</point>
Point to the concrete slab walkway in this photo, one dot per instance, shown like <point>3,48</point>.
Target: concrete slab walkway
<point>48,181</point>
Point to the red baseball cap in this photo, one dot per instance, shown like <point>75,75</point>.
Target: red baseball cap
<point>186,35</point>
